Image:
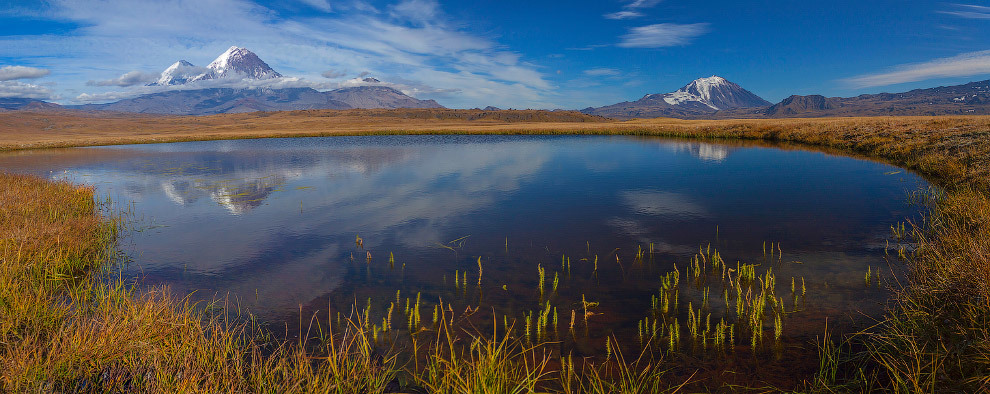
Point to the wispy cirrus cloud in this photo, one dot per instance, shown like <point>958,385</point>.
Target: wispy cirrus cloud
<point>10,73</point>
<point>322,5</point>
<point>632,9</point>
<point>962,65</point>
<point>968,11</point>
<point>662,35</point>
<point>25,90</point>
<point>410,39</point>
<point>332,74</point>
<point>129,79</point>
<point>602,72</point>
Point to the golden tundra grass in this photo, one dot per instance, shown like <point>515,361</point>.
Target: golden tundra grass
<point>63,328</point>
<point>67,325</point>
<point>60,330</point>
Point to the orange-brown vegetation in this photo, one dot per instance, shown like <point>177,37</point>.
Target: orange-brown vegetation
<point>952,148</point>
<point>65,326</point>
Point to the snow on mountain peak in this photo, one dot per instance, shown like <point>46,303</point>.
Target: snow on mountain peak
<point>178,73</point>
<point>713,92</point>
<point>703,87</point>
<point>236,61</point>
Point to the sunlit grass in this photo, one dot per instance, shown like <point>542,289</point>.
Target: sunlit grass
<point>66,324</point>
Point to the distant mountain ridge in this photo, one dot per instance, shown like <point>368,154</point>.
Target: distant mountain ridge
<point>240,64</point>
<point>968,99</point>
<point>698,98</point>
<point>230,100</point>
<point>26,104</point>
<point>704,98</point>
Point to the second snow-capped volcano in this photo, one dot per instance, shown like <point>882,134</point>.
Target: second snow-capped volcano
<point>713,92</point>
<point>702,97</point>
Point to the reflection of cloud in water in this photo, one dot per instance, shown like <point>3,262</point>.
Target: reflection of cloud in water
<point>706,152</point>
<point>643,235</point>
<point>662,203</point>
<point>419,197</point>
<point>406,194</point>
<point>180,192</point>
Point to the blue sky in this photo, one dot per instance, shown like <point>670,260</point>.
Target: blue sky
<point>509,53</point>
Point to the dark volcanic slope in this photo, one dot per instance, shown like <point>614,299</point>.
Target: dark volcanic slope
<point>378,97</point>
<point>15,104</point>
<point>969,99</point>
<point>221,100</point>
<point>228,100</point>
<point>698,99</point>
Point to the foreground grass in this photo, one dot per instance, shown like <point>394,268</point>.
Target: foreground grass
<point>935,336</point>
<point>67,325</point>
<point>64,327</point>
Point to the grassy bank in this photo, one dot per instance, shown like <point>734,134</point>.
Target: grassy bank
<point>67,325</point>
<point>935,336</point>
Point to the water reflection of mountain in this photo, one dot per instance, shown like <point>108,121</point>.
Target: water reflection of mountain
<point>238,196</point>
<point>238,180</point>
<point>706,152</point>
<point>243,196</point>
<point>290,250</point>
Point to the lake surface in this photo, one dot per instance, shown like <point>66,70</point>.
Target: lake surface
<point>273,223</point>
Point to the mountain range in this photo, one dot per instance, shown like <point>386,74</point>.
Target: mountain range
<point>716,98</point>
<point>239,81</point>
<point>204,91</point>
<point>703,96</point>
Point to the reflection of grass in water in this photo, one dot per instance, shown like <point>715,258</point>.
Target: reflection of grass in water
<point>357,355</point>
<point>750,288</point>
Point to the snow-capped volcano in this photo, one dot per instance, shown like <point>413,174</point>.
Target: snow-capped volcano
<point>702,97</point>
<point>238,62</point>
<point>219,88</point>
<point>713,92</point>
<point>235,63</point>
<point>178,73</point>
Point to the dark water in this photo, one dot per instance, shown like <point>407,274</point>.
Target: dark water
<point>273,222</point>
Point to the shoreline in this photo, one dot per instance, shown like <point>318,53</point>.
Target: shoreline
<point>949,149</point>
<point>937,316</point>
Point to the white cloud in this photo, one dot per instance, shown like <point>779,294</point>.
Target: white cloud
<point>662,35</point>
<point>602,72</point>
<point>25,90</point>
<point>332,74</point>
<point>625,14</point>
<point>969,11</point>
<point>663,203</point>
<point>322,5</point>
<point>630,10</point>
<point>129,79</point>
<point>10,73</point>
<point>643,3</point>
<point>962,65</point>
<point>421,11</point>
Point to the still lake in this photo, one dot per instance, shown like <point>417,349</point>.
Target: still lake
<point>272,223</point>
